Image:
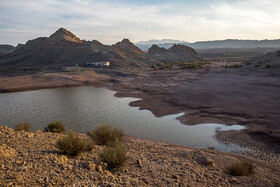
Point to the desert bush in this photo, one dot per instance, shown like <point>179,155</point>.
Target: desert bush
<point>115,156</point>
<point>22,126</point>
<point>71,144</point>
<point>106,135</point>
<point>240,169</point>
<point>268,66</point>
<point>193,65</point>
<point>56,126</point>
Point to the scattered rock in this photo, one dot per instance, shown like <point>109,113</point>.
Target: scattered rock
<point>139,162</point>
<point>6,151</point>
<point>99,169</point>
<point>209,162</point>
<point>90,166</point>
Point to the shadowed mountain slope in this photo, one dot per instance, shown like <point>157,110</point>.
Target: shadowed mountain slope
<point>65,49</point>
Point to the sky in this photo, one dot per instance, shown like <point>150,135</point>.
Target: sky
<point>109,21</point>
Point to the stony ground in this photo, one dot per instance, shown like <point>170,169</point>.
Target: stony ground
<point>32,159</point>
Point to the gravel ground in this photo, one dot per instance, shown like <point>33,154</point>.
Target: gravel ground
<point>32,159</point>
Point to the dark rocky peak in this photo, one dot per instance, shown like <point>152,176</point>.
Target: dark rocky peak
<point>127,45</point>
<point>178,48</point>
<point>156,49</point>
<point>63,34</point>
<point>5,48</point>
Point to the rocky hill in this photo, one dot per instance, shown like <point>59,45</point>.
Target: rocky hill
<point>63,34</point>
<point>176,53</point>
<point>6,48</point>
<point>268,60</point>
<point>65,49</point>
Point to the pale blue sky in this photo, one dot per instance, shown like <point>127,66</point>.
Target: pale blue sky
<point>111,20</point>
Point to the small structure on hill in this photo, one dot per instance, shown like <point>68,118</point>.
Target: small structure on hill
<point>98,64</point>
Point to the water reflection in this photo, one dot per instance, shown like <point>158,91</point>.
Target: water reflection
<point>83,108</point>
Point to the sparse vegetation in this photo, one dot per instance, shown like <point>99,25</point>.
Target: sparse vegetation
<point>268,66</point>
<point>193,65</point>
<point>22,126</point>
<point>115,156</point>
<point>106,135</point>
<point>71,144</point>
<point>240,169</point>
<point>56,127</point>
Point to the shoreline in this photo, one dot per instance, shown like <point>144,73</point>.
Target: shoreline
<point>151,95</point>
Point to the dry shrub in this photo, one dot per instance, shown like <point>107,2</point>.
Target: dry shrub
<point>71,144</point>
<point>240,169</point>
<point>115,156</point>
<point>22,126</point>
<point>106,135</point>
<point>56,127</point>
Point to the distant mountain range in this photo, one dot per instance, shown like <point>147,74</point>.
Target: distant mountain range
<point>163,41</point>
<point>230,43</point>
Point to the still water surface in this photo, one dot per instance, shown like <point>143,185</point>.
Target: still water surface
<point>83,108</point>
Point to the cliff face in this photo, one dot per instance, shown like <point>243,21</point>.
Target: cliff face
<point>176,53</point>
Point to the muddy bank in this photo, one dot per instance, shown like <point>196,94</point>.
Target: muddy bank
<point>232,96</point>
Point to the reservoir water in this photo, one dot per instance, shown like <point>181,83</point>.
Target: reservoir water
<point>83,108</point>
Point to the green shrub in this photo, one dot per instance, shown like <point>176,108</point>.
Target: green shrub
<point>106,135</point>
<point>268,66</point>
<point>22,126</point>
<point>115,156</point>
<point>71,144</point>
<point>240,169</point>
<point>56,126</point>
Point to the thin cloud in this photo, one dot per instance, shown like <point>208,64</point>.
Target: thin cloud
<point>110,21</point>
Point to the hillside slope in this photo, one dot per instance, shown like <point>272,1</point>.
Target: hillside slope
<point>65,49</point>
<point>173,54</point>
<point>32,159</point>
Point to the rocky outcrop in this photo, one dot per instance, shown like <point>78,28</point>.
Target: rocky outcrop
<point>177,48</point>
<point>176,53</point>
<point>156,50</point>
<point>6,48</point>
<point>268,60</point>
<point>125,44</point>
<point>63,34</point>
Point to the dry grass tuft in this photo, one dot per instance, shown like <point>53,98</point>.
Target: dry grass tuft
<point>115,156</point>
<point>22,126</point>
<point>106,135</point>
<point>71,144</point>
<point>240,169</point>
<point>56,127</point>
